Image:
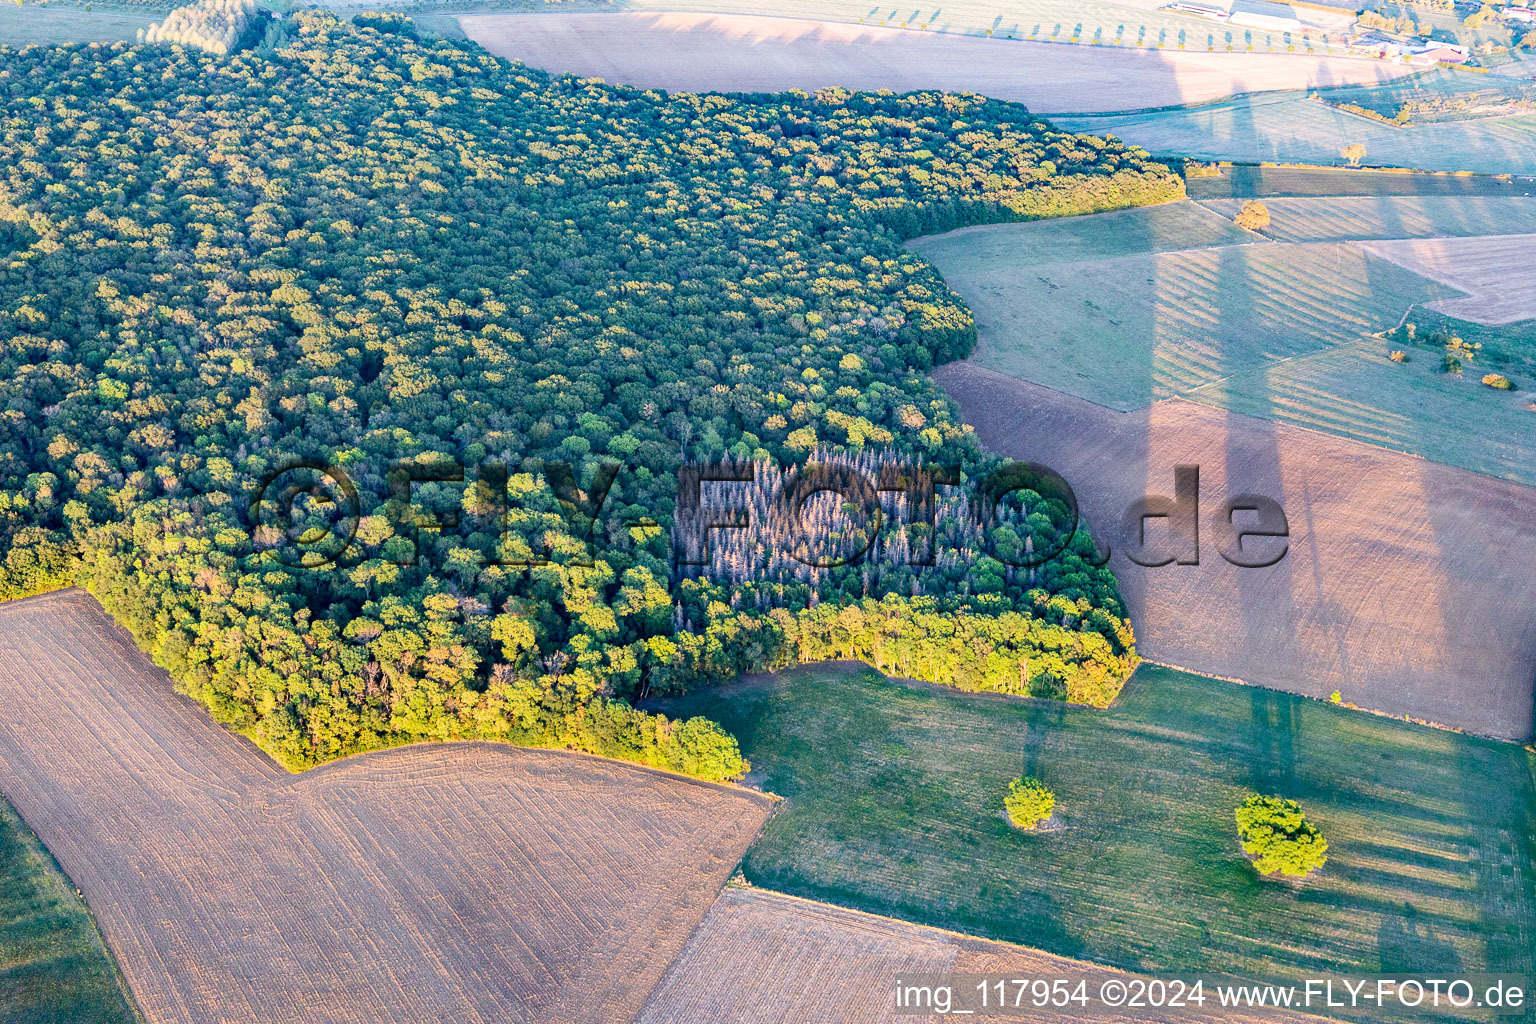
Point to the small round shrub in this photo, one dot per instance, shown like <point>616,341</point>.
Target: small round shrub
<point>1499,382</point>
<point>1279,838</point>
<point>1397,355</point>
<point>1028,802</point>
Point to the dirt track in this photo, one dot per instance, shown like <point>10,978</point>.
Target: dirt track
<point>747,53</point>
<point>1408,586</point>
<point>464,883</point>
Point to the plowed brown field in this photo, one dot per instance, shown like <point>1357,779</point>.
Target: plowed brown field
<point>461,883</point>
<point>764,958</point>
<point>1408,586</point>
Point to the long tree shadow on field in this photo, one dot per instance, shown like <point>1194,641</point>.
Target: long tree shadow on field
<point>1501,849</point>
<point>1040,728</point>
<point>1274,732</point>
<point>1265,596</point>
<point>1406,946</point>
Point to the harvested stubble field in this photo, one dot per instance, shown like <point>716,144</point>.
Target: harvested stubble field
<point>1498,273</point>
<point>467,882</point>
<point>1408,585</point>
<point>1347,218</point>
<point>745,53</point>
<point>1133,307</point>
<point>762,957</point>
<point>894,794</point>
<point>1289,128</point>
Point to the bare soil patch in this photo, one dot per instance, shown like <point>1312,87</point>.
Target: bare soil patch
<point>746,53</point>
<point>1498,273</point>
<point>776,959</point>
<point>1407,585</point>
<point>469,882</point>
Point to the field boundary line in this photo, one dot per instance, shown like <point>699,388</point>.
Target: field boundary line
<point>973,228</point>
<point>968,361</point>
<point>354,761</point>
<point>39,849</point>
<point>1290,424</point>
<point>1324,700</point>
<point>1273,95</point>
<point>848,666</point>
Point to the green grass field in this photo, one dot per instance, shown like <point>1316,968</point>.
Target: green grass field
<point>23,26</point>
<point>1287,127</point>
<point>1126,328</point>
<point>1504,348</point>
<point>1356,391</point>
<point>54,967</point>
<point>1129,308</point>
<point>895,806</point>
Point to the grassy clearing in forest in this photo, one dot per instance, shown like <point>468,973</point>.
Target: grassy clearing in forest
<point>54,967</point>
<point>895,806</point>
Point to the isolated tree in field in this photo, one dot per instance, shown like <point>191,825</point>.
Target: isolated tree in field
<point>1028,802</point>
<point>1278,837</point>
<point>1354,153</point>
<point>1254,216</point>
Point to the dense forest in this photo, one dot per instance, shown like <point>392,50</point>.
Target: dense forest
<point>495,313</point>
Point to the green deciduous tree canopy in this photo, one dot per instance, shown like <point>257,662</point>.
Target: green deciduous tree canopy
<point>1028,802</point>
<point>1278,837</point>
<point>395,257</point>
